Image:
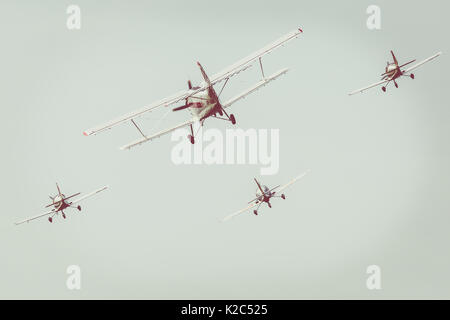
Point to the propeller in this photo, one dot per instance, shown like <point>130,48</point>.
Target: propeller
<point>395,59</point>
<point>183,107</point>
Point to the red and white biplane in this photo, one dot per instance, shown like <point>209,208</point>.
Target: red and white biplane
<point>264,195</point>
<point>60,203</point>
<point>394,71</point>
<point>203,100</point>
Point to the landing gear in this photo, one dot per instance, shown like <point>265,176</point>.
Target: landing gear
<point>412,76</point>
<point>383,88</point>
<point>232,119</point>
<point>255,212</point>
<point>283,197</point>
<point>268,203</point>
<point>396,85</point>
<point>63,215</point>
<point>50,220</point>
<point>79,208</point>
<point>191,136</point>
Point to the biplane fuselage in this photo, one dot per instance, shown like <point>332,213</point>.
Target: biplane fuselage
<point>392,71</point>
<point>263,197</point>
<point>59,203</point>
<point>203,105</point>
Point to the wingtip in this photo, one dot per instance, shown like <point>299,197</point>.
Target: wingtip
<point>85,133</point>
<point>300,29</point>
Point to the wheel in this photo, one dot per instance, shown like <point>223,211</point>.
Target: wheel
<point>283,197</point>
<point>232,119</point>
<point>412,75</point>
<point>255,212</point>
<point>79,208</point>
<point>396,85</point>
<point>268,203</point>
<point>220,112</point>
<point>191,138</point>
<point>383,88</point>
<point>50,220</point>
<point>63,215</point>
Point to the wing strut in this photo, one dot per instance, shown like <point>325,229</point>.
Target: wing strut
<point>223,87</point>
<point>139,129</point>
<point>262,70</point>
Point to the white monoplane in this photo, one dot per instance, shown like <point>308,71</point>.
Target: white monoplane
<point>263,195</point>
<point>60,203</point>
<point>203,100</point>
<point>393,71</point>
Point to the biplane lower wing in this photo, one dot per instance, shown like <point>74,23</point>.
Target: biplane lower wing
<point>35,217</point>
<point>422,62</point>
<point>156,135</point>
<point>258,85</point>
<point>368,87</point>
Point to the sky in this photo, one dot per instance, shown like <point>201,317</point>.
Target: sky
<point>377,192</point>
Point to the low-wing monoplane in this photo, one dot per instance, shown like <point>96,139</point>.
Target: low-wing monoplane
<point>203,100</point>
<point>59,203</point>
<point>264,195</point>
<point>393,71</point>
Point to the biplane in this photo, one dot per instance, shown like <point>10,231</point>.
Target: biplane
<point>203,101</point>
<point>264,195</point>
<point>60,202</point>
<point>394,71</point>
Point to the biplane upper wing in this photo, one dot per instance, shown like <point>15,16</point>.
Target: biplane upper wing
<point>422,62</point>
<point>35,217</point>
<point>246,62</point>
<point>130,116</point>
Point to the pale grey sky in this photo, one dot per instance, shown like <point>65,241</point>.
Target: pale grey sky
<point>379,182</point>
